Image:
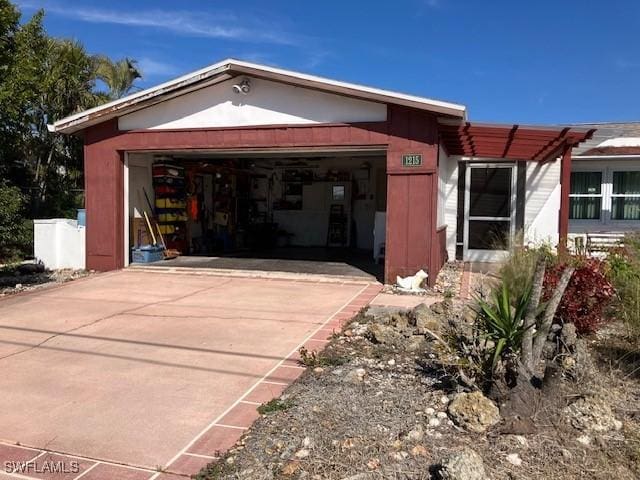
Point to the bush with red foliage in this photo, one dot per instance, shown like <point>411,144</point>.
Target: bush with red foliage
<point>587,296</point>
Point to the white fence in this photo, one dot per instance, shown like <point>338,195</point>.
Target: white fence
<point>59,243</point>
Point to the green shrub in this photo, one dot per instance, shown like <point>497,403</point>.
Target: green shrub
<point>503,318</point>
<point>16,233</point>
<point>623,270</point>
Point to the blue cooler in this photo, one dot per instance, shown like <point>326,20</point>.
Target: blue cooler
<point>146,254</point>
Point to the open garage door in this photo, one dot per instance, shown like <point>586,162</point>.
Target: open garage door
<point>311,213</point>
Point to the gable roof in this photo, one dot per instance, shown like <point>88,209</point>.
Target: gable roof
<point>598,144</point>
<point>230,68</point>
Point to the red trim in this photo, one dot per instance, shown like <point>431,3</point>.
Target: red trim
<point>509,141</point>
<point>565,188</point>
<point>412,193</point>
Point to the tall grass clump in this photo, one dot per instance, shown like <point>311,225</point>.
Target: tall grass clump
<point>623,270</point>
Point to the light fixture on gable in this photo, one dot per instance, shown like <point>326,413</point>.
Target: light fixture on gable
<point>244,87</point>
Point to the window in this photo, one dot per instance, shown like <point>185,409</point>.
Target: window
<point>585,199</point>
<point>625,196</point>
<point>338,192</point>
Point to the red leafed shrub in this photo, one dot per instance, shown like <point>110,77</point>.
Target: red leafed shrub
<point>587,296</point>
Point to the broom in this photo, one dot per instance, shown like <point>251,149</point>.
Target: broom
<point>168,253</point>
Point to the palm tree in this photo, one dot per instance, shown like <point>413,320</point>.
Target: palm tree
<point>119,76</point>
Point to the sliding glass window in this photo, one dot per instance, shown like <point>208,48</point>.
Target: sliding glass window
<point>585,200</point>
<point>625,196</point>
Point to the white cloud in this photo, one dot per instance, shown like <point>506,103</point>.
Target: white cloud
<point>185,23</point>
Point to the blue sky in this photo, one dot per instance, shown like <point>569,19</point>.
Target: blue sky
<point>548,61</point>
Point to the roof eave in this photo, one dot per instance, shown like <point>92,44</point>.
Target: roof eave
<point>207,76</point>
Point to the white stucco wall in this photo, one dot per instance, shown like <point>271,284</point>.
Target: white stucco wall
<point>268,103</point>
<point>59,243</point>
<point>448,199</point>
<point>542,202</point>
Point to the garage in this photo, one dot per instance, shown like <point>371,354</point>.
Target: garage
<point>254,167</point>
<point>285,208</point>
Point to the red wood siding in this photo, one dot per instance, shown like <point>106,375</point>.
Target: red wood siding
<point>411,195</point>
<point>104,197</point>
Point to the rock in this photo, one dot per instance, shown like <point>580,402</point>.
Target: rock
<point>473,412</point>
<point>373,464</point>
<point>307,442</point>
<point>416,434</point>
<point>355,376</point>
<point>566,453</point>
<point>434,422</point>
<point>584,439</point>
<point>385,334</point>
<point>444,400</point>
<point>303,453</point>
<point>591,415</point>
<point>391,362</point>
<point>440,308</point>
<point>429,411</point>
<point>465,464</point>
<point>416,343</point>
<point>398,456</point>
<point>426,319</point>
<point>549,350</point>
<point>514,459</point>
<point>318,370</point>
<point>419,451</point>
<point>568,363</point>
<point>441,415</point>
<point>291,468</point>
<point>569,336</point>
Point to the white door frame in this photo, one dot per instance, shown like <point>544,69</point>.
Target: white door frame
<point>126,209</point>
<point>473,255</point>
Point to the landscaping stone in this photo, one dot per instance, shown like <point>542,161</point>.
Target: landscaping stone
<point>465,464</point>
<point>416,343</point>
<point>385,334</point>
<point>473,412</point>
<point>426,319</point>
<point>591,414</point>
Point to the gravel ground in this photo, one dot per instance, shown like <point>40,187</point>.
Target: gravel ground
<point>370,413</point>
<point>12,282</point>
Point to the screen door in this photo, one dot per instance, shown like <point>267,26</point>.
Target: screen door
<point>489,211</point>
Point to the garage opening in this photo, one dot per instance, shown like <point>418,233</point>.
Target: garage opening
<point>313,212</point>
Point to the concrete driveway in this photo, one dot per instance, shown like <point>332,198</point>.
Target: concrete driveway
<point>116,375</point>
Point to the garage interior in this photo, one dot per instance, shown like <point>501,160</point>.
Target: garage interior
<point>310,212</point>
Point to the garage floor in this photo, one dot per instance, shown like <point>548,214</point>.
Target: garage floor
<point>145,369</point>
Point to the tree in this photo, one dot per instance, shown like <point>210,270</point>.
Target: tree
<point>43,79</point>
<point>119,76</point>
<point>15,231</point>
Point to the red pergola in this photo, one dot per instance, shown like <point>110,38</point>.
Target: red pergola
<point>519,142</point>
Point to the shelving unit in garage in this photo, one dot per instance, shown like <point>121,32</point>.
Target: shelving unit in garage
<point>171,203</point>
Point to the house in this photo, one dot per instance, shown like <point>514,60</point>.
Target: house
<point>241,157</point>
<point>605,182</point>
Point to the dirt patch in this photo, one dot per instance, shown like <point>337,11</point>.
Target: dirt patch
<point>16,279</point>
<point>381,415</point>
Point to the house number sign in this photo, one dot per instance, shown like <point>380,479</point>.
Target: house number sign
<point>412,160</point>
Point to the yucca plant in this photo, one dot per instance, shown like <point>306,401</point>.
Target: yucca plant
<point>503,319</point>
